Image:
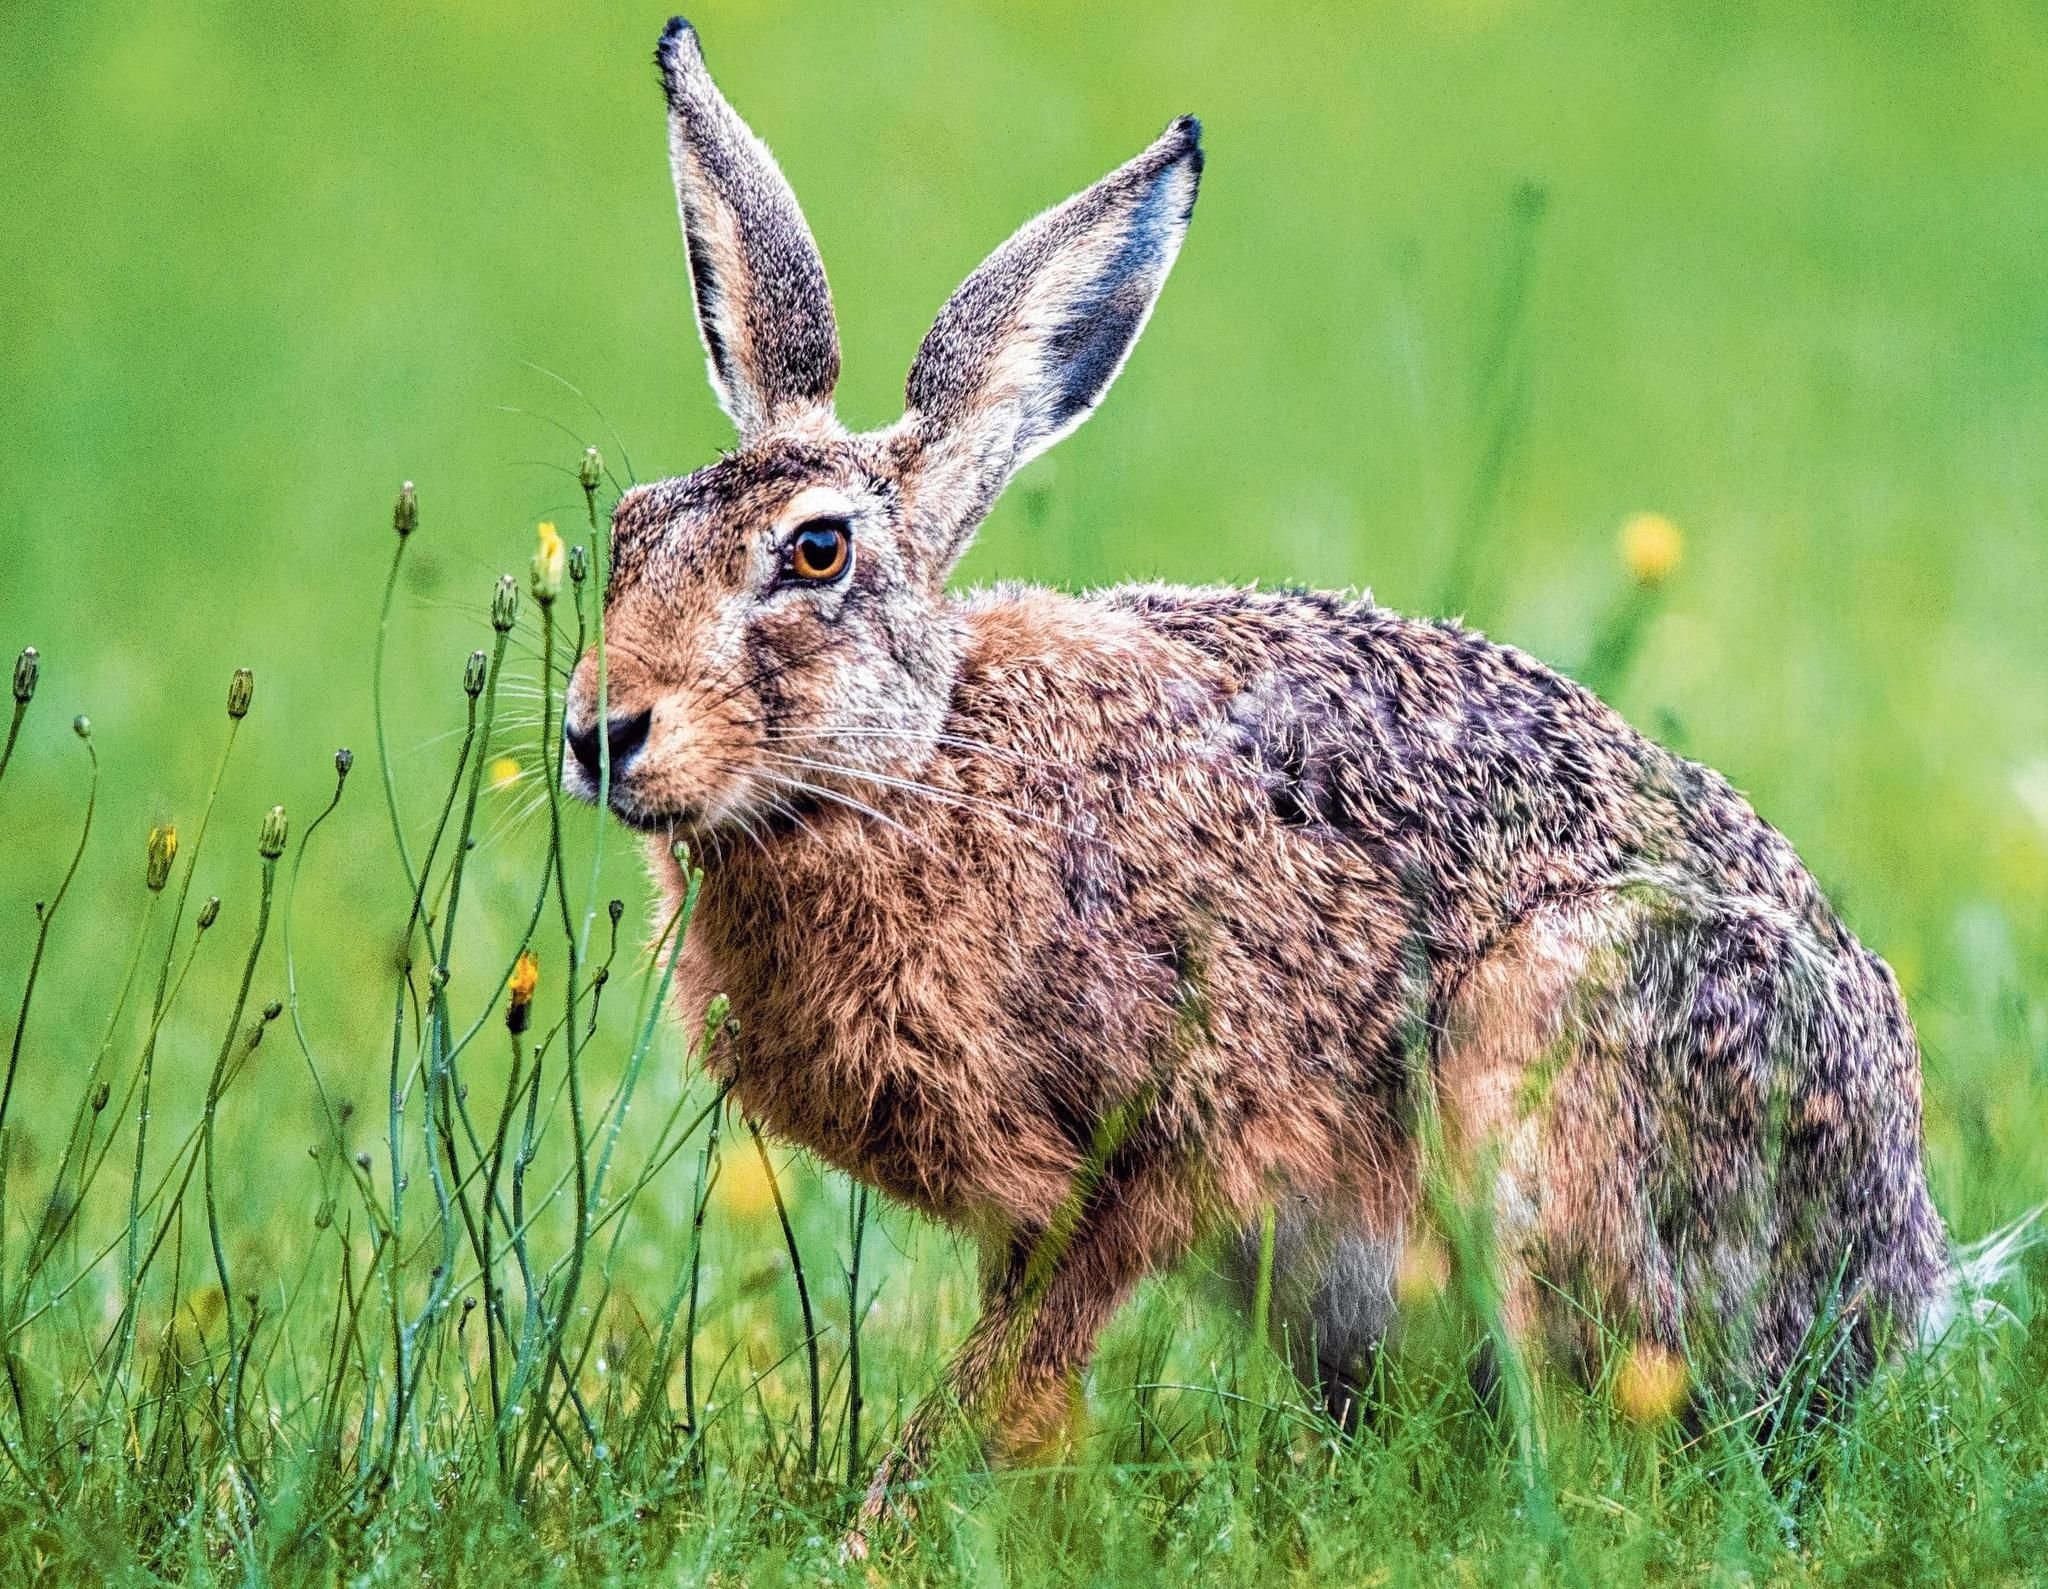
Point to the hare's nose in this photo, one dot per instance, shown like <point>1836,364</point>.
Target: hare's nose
<point>625,733</point>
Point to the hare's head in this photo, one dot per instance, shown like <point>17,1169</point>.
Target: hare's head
<point>776,628</point>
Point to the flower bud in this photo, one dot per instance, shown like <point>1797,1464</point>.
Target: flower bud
<point>99,1097</point>
<point>270,842</point>
<point>591,472</point>
<point>81,725</point>
<point>161,850</point>
<point>547,565</point>
<point>505,604</point>
<point>615,910</point>
<point>473,675</point>
<point>405,517</point>
<point>241,690</point>
<point>28,667</point>
<point>363,1162</point>
<point>273,1010</point>
<point>323,1216</point>
<point>209,912</point>
<point>579,563</point>
<point>525,979</point>
<point>344,759</point>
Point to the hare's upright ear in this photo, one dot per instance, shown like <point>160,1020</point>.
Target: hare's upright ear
<point>1025,349</point>
<point>762,304</point>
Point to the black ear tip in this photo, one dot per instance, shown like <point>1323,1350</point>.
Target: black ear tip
<point>676,38</point>
<point>1185,134</point>
<point>673,54</point>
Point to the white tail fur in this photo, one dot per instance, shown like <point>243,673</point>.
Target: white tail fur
<point>1979,1269</point>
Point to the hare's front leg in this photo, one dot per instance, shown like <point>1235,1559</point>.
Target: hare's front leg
<point>1017,1377</point>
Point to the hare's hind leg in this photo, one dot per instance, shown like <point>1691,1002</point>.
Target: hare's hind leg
<point>1546,1143</point>
<point>1695,1123</point>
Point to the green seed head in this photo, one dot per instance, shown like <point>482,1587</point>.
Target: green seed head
<point>505,604</point>
<point>591,473</point>
<point>209,913</point>
<point>473,675</point>
<point>270,842</point>
<point>161,850</point>
<point>28,667</point>
<point>405,518</point>
<point>241,691</point>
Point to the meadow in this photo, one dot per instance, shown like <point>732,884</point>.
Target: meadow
<point>1699,351</point>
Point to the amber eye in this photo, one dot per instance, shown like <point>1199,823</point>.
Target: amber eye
<point>820,550</point>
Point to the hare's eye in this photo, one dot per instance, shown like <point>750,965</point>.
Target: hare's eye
<point>820,550</point>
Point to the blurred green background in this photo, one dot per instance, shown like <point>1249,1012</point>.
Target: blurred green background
<point>1789,285</point>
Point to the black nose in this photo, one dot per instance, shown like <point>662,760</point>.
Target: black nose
<point>626,735</point>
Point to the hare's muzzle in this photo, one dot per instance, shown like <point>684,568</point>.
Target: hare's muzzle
<point>625,735</point>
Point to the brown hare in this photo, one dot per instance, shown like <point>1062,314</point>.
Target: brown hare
<point>1092,924</point>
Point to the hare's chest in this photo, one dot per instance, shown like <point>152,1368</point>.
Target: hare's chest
<point>886,1055</point>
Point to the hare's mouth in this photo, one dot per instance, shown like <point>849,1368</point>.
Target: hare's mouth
<point>642,819</point>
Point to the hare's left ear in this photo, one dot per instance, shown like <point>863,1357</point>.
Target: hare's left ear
<point>1026,348</point>
<point>763,308</point>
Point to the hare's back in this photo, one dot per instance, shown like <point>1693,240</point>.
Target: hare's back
<point>1485,780</point>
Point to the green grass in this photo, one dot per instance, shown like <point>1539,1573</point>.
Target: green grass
<point>1469,284</point>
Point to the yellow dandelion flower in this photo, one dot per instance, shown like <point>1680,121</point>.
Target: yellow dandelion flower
<point>1651,548</point>
<point>744,1192</point>
<point>1652,1384</point>
<point>1424,1272</point>
<point>547,564</point>
<point>503,773</point>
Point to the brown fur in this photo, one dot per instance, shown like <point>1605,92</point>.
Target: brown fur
<point>1088,925</point>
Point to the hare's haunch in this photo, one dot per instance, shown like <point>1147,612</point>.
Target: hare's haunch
<point>1090,924</point>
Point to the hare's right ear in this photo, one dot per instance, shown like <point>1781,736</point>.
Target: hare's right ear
<point>763,308</point>
<point>1026,348</point>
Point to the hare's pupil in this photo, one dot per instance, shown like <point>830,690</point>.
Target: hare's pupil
<point>820,550</point>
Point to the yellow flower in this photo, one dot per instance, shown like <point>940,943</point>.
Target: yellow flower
<point>547,564</point>
<point>1652,1384</point>
<point>1651,547</point>
<point>161,850</point>
<point>520,988</point>
<point>504,772</point>
<point>744,1191</point>
<point>1424,1272</point>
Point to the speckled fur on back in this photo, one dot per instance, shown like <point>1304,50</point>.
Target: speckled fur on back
<point>1093,924</point>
